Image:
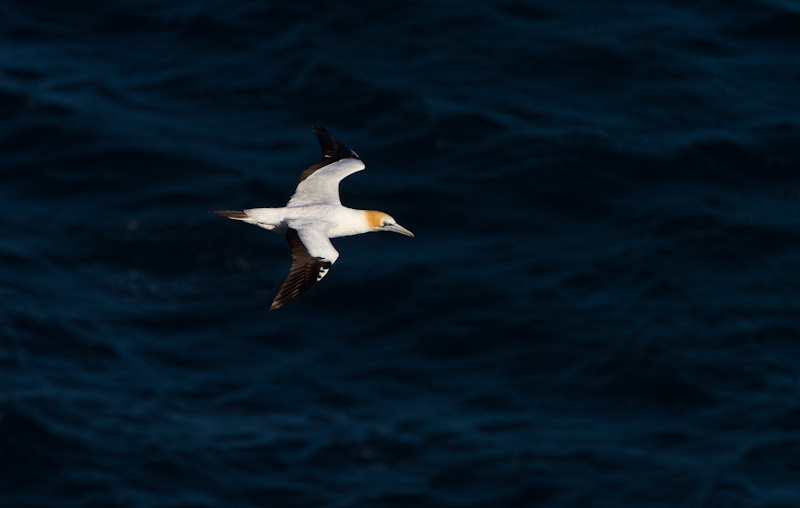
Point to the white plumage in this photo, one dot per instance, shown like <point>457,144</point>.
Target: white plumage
<point>314,215</point>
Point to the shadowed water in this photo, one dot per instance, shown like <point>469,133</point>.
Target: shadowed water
<point>599,307</point>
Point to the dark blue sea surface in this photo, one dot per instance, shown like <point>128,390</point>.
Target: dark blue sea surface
<point>599,309</point>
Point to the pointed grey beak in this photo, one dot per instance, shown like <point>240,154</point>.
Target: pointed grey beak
<point>397,228</point>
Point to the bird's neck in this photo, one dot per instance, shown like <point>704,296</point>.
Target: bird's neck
<point>352,222</point>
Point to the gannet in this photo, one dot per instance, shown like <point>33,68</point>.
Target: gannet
<point>314,215</point>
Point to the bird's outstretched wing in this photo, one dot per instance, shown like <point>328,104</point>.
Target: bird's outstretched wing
<point>333,150</point>
<point>312,256</point>
<point>319,184</point>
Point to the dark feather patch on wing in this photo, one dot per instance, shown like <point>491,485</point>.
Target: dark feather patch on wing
<point>333,150</point>
<point>305,271</point>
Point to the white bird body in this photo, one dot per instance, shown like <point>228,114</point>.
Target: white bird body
<point>340,220</point>
<point>314,215</point>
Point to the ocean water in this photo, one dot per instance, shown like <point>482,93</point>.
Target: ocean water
<point>599,308</point>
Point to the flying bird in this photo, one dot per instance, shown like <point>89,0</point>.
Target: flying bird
<point>314,215</point>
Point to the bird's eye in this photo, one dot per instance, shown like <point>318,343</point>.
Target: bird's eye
<point>387,223</point>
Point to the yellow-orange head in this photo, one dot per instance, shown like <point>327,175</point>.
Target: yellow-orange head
<point>380,221</point>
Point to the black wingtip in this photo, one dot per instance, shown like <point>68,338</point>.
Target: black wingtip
<point>332,148</point>
<point>306,271</point>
